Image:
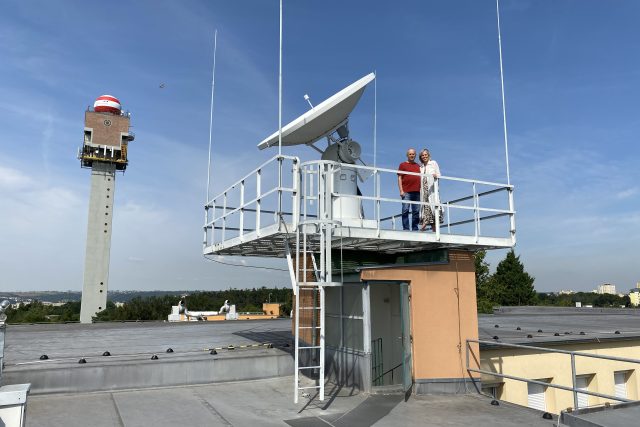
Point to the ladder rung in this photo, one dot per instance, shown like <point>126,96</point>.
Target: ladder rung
<point>308,347</point>
<point>308,367</point>
<point>308,327</point>
<point>312,386</point>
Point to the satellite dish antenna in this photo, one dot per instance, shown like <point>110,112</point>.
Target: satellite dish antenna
<point>330,119</point>
<point>322,120</point>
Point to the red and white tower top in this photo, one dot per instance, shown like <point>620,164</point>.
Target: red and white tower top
<point>107,104</point>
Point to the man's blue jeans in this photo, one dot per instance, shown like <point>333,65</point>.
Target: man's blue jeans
<point>413,196</point>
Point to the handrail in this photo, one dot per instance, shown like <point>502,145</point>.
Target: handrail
<point>573,354</point>
<point>244,178</point>
<point>385,373</point>
<point>311,194</point>
<point>484,193</point>
<point>379,169</point>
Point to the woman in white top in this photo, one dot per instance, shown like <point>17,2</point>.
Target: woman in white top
<point>428,195</point>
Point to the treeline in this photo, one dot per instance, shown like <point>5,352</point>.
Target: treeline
<point>586,298</point>
<point>154,307</point>
<point>37,312</point>
<point>509,285</point>
<point>158,308</point>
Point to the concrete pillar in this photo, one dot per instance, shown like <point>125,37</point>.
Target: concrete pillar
<point>96,264</point>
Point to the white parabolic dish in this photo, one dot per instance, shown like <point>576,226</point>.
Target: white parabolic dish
<point>321,120</point>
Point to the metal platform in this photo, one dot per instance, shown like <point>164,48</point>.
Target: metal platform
<point>270,241</point>
<point>292,200</point>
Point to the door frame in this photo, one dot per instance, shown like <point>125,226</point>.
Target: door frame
<point>405,318</point>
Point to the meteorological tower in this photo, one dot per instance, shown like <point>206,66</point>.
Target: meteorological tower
<point>104,151</point>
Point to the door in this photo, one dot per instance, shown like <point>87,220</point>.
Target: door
<point>407,379</point>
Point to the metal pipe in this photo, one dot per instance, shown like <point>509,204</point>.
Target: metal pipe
<point>573,380</point>
<point>561,387</point>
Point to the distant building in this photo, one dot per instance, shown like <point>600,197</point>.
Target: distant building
<point>53,304</point>
<point>606,288</point>
<point>634,297</point>
<point>566,292</point>
<point>568,329</point>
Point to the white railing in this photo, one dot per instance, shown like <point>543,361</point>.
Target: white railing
<point>297,193</point>
<point>262,198</point>
<point>470,354</point>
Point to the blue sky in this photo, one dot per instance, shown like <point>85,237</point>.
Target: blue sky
<point>572,80</point>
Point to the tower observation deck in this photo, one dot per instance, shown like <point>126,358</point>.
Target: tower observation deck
<point>104,151</point>
<point>332,217</point>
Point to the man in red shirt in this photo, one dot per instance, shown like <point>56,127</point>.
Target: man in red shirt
<point>409,186</point>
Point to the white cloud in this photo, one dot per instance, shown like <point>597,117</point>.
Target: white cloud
<point>14,180</point>
<point>625,194</point>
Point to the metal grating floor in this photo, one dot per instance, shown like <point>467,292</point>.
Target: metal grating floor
<point>269,242</point>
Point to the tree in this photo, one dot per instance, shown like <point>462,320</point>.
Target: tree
<point>512,285</point>
<point>482,273</point>
<point>483,283</point>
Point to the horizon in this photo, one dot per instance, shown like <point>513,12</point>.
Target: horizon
<point>570,84</point>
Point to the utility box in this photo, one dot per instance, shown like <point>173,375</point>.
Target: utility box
<point>13,398</point>
<point>13,404</point>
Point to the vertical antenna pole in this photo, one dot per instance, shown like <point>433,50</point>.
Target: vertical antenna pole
<point>213,86</point>
<point>280,89</point>
<point>504,109</point>
<point>375,119</point>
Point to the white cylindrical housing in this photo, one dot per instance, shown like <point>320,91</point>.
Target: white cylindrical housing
<point>345,181</point>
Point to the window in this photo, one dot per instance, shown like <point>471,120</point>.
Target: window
<point>535,396</point>
<point>582,383</point>
<point>620,383</point>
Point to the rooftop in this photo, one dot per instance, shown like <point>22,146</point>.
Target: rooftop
<point>574,325</point>
<point>246,384</point>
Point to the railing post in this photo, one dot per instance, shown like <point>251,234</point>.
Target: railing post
<point>279,185</point>
<point>213,222</point>
<point>258,201</point>
<point>476,221</point>
<point>224,215</point>
<point>377,183</point>
<point>241,208</point>
<point>573,380</point>
<point>295,209</point>
<point>205,238</point>
<point>467,347</point>
<point>512,218</point>
<point>436,209</point>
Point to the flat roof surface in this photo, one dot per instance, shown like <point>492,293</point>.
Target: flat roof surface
<point>597,324</point>
<point>262,402</point>
<point>269,403</point>
<point>26,343</point>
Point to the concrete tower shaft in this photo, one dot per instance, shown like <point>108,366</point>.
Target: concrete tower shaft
<point>97,255</point>
<point>104,150</point>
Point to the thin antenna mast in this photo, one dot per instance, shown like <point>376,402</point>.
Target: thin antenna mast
<point>213,86</point>
<point>280,89</point>
<point>375,118</point>
<point>504,108</point>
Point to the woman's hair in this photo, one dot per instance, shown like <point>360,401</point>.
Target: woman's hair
<point>424,150</point>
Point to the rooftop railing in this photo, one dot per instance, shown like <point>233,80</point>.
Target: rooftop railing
<point>572,355</point>
<point>285,191</point>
